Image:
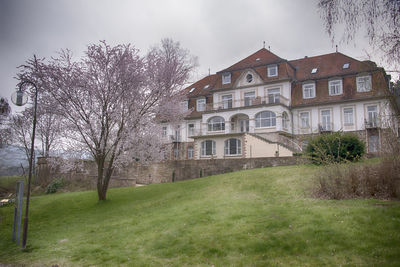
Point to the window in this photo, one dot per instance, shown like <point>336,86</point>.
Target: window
<point>372,115</point>
<point>206,87</point>
<point>201,104</point>
<point>216,124</point>
<point>191,129</point>
<point>208,148</point>
<point>308,90</point>
<point>190,152</point>
<point>326,120</point>
<point>191,90</point>
<point>348,116</point>
<point>227,101</point>
<point>305,119</point>
<point>346,65</point>
<point>364,84</point>
<point>265,119</point>
<point>314,70</point>
<point>285,120</point>
<point>178,133</point>
<point>185,105</point>
<point>164,131</point>
<point>274,95</point>
<point>226,78</point>
<point>249,98</point>
<point>176,153</point>
<point>335,87</point>
<point>233,146</point>
<point>272,70</point>
<point>249,78</point>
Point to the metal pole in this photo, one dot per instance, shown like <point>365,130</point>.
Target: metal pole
<point>25,232</point>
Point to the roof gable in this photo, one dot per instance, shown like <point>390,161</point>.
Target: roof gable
<point>259,58</point>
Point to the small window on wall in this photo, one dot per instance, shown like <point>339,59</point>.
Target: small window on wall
<point>233,146</point>
<point>364,84</point>
<point>348,116</point>
<point>304,119</point>
<point>272,70</point>
<point>335,87</point>
<point>226,78</point>
<point>201,104</point>
<point>308,90</point>
<point>164,131</point>
<point>208,148</point>
<point>191,129</point>
<point>190,152</point>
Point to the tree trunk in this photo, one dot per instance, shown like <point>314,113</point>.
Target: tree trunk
<point>100,181</point>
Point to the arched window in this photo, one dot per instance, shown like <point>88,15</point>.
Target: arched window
<point>190,152</point>
<point>216,124</point>
<point>285,120</point>
<point>233,146</point>
<point>208,148</point>
<point>265,119</point>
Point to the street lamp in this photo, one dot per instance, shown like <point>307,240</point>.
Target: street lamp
<point>20,98</point>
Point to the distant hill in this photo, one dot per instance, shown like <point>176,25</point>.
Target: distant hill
<point>11,159</point>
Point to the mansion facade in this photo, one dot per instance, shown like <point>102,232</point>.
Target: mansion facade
<point>266,106</point>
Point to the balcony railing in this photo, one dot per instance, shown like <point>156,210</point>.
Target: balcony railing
<point>325,127</point>
<point>248,102</point>
<point>371,124</point>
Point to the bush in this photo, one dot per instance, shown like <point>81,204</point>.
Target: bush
<point>54,186</point>
<point>335,147</point>
<point>343,181</point>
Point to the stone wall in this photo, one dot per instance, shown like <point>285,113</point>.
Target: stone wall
<point>171,171</point>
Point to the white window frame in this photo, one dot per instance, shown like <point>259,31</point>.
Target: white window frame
<point>363,82</point>
<point>226,78</point>
<point>325,123</point>
<point>265,122</point>
<point>372,118</point>
<point>274,95</point>
<point>348,120</point>
<point>201,104</point>
<point>227,101</point>
<point>335,87</point>
<point>248,100</point>
<point>304,121</point>
<point>227,147</point>
<point>272,70</point>
<point>190,151</point>
<point>218,126</point>
<point>311,88</point>
<point>191,128</point>
<point>204,148</point>
<point>285,120</point>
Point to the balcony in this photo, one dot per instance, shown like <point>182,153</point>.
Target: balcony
<point>325,127</point>
<point>175,138</point>
<point>248,102</point>
<point>371,124</point>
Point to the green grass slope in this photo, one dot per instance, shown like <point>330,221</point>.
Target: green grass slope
<point>249,218</point>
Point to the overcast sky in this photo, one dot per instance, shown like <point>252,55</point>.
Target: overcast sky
<point>219,33</point>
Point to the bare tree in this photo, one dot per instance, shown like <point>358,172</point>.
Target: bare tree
<point>5,131</point>
<point>21,128</point>
<point>380,18</point>
<point>111,97</point>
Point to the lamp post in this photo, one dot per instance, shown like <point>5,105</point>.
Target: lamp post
<point>19,98</point>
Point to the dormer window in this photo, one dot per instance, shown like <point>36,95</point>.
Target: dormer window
<point>226,78</point>
<point>191,90</point>
<point>335,87</point>
<point>206,87</point>
<point>314,70</point>
<point>308,90</point>
<point>272,70</point>
<point>364,83</point>
<point>346,65</point>
<point>249,78</point>
<point>201,104</point>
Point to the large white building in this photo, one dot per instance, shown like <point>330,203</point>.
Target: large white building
<point>266,106</point>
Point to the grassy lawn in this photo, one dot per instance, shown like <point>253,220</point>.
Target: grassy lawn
<point>249,218</point>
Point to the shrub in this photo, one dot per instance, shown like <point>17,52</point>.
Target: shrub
<point>343,181</point>
<point>335,147</point>
<point>54,186</point>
